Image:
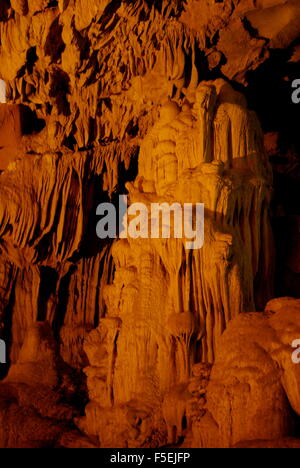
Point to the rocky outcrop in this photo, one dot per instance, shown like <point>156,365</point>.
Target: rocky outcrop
<point>254,381</point>
<point>36,396</point>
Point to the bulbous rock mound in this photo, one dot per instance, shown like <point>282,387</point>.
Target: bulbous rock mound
<point>129,342</point>
<point>254,382</point>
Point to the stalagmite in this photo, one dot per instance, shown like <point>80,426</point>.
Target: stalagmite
<point>200,291</point>
<point>115,342</point>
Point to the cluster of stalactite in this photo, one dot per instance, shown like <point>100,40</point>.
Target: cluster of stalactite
<point>112,97</point>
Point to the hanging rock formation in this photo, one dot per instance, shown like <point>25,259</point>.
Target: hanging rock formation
<point>106,98</point>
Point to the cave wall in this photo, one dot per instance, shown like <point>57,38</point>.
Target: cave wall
<point>96,91</point>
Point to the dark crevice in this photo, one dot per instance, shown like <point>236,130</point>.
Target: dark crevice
<point>31,59</point>
<point>7,327</point>
<point>269,94</point>
<point>30,123</point>
<point>63,296</point>
<point>48,281</point>
<point>54,45</point>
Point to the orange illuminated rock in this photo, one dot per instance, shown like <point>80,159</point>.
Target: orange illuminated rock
<point>106,98</point>
<point>37,390</point>
<point>254,359</point>
<point>10,134</point>
<point>208,150</point>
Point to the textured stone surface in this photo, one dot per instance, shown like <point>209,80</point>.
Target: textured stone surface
<point>36,396</point>
<point>144,350</point>
<point>254,381</point>
<point>105,97</point>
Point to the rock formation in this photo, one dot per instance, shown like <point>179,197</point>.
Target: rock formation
<point>149,99</point>
<point>199,291</point>
<point>254,360</point>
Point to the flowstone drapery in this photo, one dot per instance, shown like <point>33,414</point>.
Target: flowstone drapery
<point>107,94</point>
<point>168,305</point>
